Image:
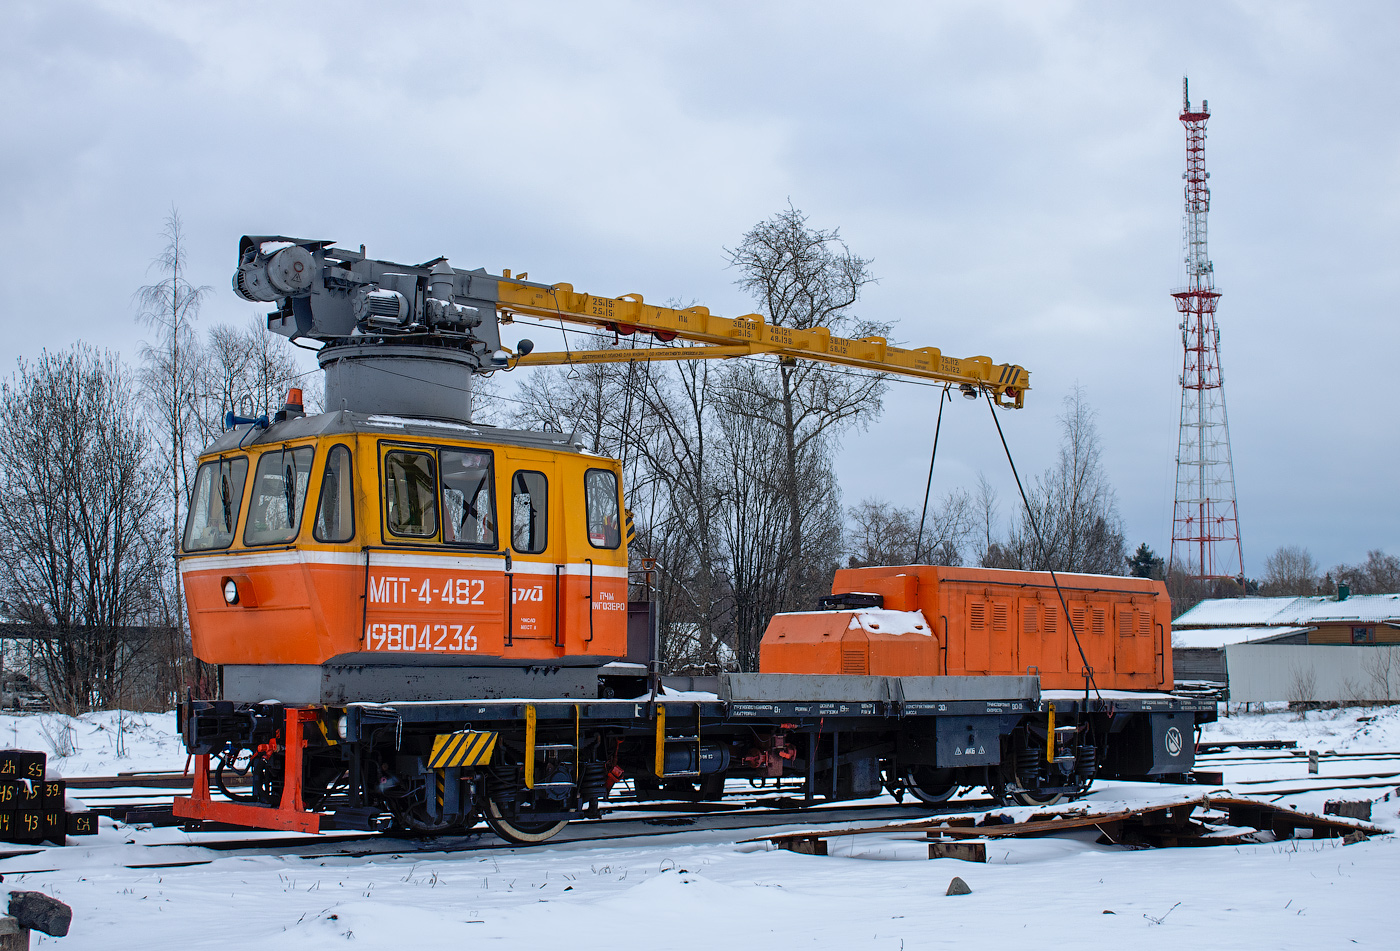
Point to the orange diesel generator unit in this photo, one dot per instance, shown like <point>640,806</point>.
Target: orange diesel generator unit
<point>926,621</point>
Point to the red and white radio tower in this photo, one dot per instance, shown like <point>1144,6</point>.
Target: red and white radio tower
<point>1205,524</point>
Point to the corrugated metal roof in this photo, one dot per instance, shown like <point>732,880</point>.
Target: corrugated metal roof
<point>1361,607</point>
<point>1212,637</point>
<point>1252,612</point>
<point>1233,612</point>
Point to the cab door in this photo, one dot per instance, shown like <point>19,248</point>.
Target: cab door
<point>1137,663</point>
<point>535,575</point>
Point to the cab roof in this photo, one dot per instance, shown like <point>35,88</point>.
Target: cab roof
<point>344,422</point>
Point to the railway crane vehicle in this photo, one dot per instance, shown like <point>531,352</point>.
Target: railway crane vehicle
<point>422,622</point>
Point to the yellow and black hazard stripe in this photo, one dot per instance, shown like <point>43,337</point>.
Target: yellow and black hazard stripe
<point>631,527</point>
<point>468,748</point>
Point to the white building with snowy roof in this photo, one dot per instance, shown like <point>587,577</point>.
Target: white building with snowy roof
<point>1201,636</point>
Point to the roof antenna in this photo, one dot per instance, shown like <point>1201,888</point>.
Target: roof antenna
<point>1185,96</point>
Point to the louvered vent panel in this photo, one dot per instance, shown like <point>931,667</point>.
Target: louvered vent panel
<point>1100,621</point>
<point>1028,619</point>
<point>1125,622</point>
<point>999,617</point>
<point>1077,614</point>
<point>854,662</point>
<point>977,615</point>
<point>1052,619</point>
<point>1144,623</point>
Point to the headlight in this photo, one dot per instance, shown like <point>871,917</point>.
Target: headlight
<point>342,726</point>
<point>230,591</point>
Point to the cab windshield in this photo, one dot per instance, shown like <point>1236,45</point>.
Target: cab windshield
<point>278,497</point>
<point>215,503</point>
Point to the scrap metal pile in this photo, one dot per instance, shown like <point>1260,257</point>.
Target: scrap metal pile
<point>1201,821</point>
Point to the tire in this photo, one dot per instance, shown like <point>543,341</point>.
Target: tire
<point>521,833</point>
<point>926,788</point>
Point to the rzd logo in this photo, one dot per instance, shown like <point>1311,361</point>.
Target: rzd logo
<point>1173,742</point>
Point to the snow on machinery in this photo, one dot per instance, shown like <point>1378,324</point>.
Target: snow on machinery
<point>440,609</point>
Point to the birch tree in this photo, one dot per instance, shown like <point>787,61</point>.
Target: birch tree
<point>246,371</point>
<point>171,374</point>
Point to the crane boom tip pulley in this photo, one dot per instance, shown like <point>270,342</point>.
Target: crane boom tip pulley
<point>344,298</point>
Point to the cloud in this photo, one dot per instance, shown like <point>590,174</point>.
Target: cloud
<point>1012,168</point>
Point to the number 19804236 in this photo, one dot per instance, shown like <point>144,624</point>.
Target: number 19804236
<point>420,638</point>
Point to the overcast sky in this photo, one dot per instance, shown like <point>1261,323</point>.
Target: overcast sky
<point>1013,169</point>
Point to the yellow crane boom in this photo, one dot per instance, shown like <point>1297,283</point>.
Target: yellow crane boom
<point>711,336</point>
<point>343,298</point>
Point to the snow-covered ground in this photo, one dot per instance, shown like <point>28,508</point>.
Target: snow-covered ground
<point>1348,730</point>
<point>704,889</point>
<point>98,744</point>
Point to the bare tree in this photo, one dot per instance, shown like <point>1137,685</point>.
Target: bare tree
<point>1074,505</point>
<point>802,278</point>
<point>1302,689</point>
<point>729,467</point>
<point>1289,572</point>
<point>987,523</point>
<point>879,533</point>
<point>1382,663</point>
<point>1378,574</point>
<point>1185,591</point>
<point>245,371</point>
<point>754,529</point>
<point>79,522</point>
<point>680,528</point>
<point>589,400</point>
<point>171,374</point>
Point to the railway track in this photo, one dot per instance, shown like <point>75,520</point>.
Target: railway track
<point>109,794</point>
<point>132,794</point>
<point>1384,770</point>
<point>1291,756</point>
<point>481,840</point>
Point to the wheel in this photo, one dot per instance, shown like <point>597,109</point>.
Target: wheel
<point>520,832</point>
<point>1028,772</point>
<point>927,787</point>
<point>415,824</point>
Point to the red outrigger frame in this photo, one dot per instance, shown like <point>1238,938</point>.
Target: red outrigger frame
<point>290,814</point>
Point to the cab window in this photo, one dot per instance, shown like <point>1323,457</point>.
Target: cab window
<point>335,513</point>
<point>214,505</point>
<point>600,500</point>
<point>278,496</point>
<point>468,498</point>
<point>529,508</point>
<point>410,493</point>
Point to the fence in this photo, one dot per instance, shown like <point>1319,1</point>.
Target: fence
<point>1316,673</point>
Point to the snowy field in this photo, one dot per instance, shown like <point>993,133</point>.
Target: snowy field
<point>135,887</point>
